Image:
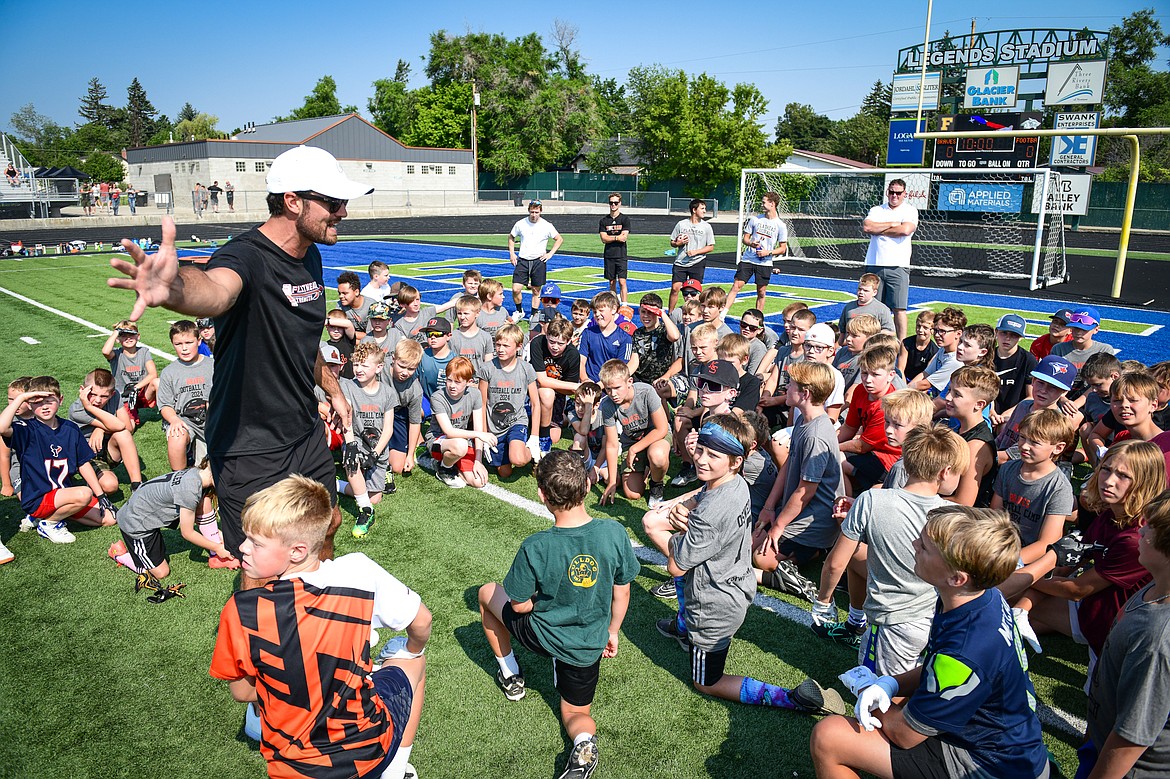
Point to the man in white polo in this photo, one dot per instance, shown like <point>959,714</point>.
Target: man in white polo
<point>531,267</point>
<point>889,227</point>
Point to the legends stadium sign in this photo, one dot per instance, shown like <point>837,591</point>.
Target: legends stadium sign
<point>1005,47</point>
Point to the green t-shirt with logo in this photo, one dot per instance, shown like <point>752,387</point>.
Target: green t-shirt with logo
<point>571,573</point>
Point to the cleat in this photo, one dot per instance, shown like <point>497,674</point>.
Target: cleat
<point>545,444</point>
<point>27,524</point>
<point>787,578</point>
<point>56,532</point>
<point>146,581</point>
<point>815,699</point>
<point>6,555</point>
<point>656,496</point>
<point>166,593</point>
<point>391,487</point>
<point>686,476</point>
<point>116,550</point>
<point>365,521</point>
<point>845,633</point>
<point>669,627</point>
<point>252,722</point>
<point>666,589</point>
<point>450,477</point>
<point>513,686</point>
<point>582,760</point>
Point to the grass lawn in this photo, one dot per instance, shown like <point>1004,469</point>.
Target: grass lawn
<point>99,683</point>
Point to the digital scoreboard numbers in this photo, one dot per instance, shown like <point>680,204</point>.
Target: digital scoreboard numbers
<point>991,149</point>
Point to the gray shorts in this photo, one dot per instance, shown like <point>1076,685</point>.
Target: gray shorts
<point>376,479</point>
<point>888,650</point>
<point>895,287</point>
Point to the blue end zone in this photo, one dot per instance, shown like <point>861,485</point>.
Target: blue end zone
<point>437,273</point>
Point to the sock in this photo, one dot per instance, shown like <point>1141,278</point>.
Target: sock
<point>508,664</point>
<point>757,693</point>
<point>682,603</point>
<point>341,486</point>
<point>545,431</point>
<point>209,528</point>
<point>856,616</point>
<point>397,769</point>
<point>363,501</point>
<point>128,561</point>
<point>581,737</point>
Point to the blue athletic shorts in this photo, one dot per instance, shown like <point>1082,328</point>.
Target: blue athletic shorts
<point>515,433</point>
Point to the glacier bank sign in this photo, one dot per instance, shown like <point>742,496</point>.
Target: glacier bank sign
<point>983,197</point>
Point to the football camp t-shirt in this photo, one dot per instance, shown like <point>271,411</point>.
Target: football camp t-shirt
<point>507,393</point>
<point>128,369</point>
<point>186,387</point>
<point>767,233</point>
<point>635,420</point>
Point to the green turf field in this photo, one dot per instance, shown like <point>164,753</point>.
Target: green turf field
<point>99,683</point>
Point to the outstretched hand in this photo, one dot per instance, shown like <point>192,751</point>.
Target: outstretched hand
<point>150,276</point>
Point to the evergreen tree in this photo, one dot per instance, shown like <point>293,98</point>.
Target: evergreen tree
<point>140,115</point>
<point>186,114</point>
<point>94,108</point>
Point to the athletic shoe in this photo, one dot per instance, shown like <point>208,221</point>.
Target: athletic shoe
<point>669,628</point>
<point>27,524</point>
<point>545,444</point>
<point>6,555</point>
<point>841,632</point>
<point>686,476</point>
<point>215,561</point>
<point>55,532</point>
<point>363,523</point>
<point>116,550</point>
<point>252,722</point>
<point>450,477</point>
<point>815,699</point>
<point>411,773</point>
<point>391,487</point>
<point>666,589</point>
<point>656,496</point>
<point>582,760</point>
<point>787,578</point>
<point>513,686</point>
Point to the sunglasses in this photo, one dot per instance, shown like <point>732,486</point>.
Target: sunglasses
<point>896,192</point>
<point>332,204</point>
<point>615,202</point>
<point>705,385</point>
<point>753,328</point>
<point>1081,319</point>
<point>436,334</point>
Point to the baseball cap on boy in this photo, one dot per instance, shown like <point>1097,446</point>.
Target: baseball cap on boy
<point>1083,317</point>
<point>1062,314</point>
<point>821,334</point>
<point>437,325</point>
<point>550,290</point>
<point>309,169</point>
<point>204,323</point>
<point>693,286</point>
<point>722,372</point>
<point>1012,323</point>
<point>1057,371</point>
<point>379,310</point>
<point>330,354</point>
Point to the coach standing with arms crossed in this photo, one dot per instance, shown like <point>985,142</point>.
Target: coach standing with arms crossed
<point>889,227</point>
<point>266,293</point>
<point>613,230</point>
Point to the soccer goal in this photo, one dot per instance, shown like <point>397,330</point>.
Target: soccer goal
<point>993,223</point>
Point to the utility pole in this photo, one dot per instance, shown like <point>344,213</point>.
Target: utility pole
<point>474,145</point>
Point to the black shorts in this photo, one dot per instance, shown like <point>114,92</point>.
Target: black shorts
<point>707,665</point>
<point>558,410</point>
<point>746,270</point>
<point>679,274</point>
<point>574,683</point>
<point>923,761</point>
<point>617,268</point>
<point>147,551</point>
<point>529,273</point>
<point>867,470</point>
<point>240,476</point>
<point>799,553</point>
<point>393,687</point>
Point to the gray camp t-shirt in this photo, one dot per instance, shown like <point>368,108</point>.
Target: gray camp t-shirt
<point>408,396</point>
<point>460,413</point>
<point>897,477</point>
<point>813,457</point>
<point>634,421</point>
<point>1028,502</point>
<point>760,473</point>
<point>359,315</point>
<point>473,347</point>
<point>128,369</point>
<point>157,502</point>
<point>368,411</point>
<point>698,236</point>
<point>716,554</point>
<point>889,521</point>
<point>756,352</point>
<point>416,329</point>
<point>507,394</point>
<point>180,385</point>
<point>875,308</point>
<point>492,321</point>
<point>80,417</point>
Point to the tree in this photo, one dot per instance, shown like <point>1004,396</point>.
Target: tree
<point>40,139</point>
<point>140,115</point>
<point>186,113</point>
<point>612,105</point>
<point>93,106</point>
<point>392,106</point>
<point>877,102</point>
<point>322,101</point>
<point>103,167</point>
<point>863,138</point>
<point>442,117</point>
<point>605,156</point>
<point>804,128</point>
<point>200,128</point>
<point>1136,95</point>
<point>565,35</point>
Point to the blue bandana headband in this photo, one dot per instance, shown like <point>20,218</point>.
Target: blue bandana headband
<point>715,438</point>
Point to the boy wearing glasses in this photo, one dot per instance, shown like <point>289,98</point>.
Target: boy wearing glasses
<point>763,342</point>
<point>531,266</point>
<point>613,230</point>
<point>1083,322</point>
<point>948,331</point>
<point>889,227</point>
<point>432,371</point>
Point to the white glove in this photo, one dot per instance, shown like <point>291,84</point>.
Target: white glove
<point>488,452</point>
<point>1027,632</point>
<point>857,679</point>
<point>875,696</point>
<point>824,612</point>
<point>533,444</point>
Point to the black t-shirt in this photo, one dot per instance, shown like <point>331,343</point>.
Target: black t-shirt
<point>1161,418</point>
<point>748,396</point>
<point>1015,374</point>
<point>615,250</point>
<point>982,432</point>
<point>916,361</point>
<point>265,350</point>
<point>567,367</point>
<point>345,346</point>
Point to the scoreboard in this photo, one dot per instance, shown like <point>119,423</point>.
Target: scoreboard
<point>989,150</point>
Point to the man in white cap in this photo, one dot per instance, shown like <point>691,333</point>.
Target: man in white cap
<point>265,291</point>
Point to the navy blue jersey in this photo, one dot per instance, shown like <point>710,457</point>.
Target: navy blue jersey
<point>975,693</point>
<point>48,457</point>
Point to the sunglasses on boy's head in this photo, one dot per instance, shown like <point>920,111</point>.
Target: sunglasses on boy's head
<point>1081,320</point>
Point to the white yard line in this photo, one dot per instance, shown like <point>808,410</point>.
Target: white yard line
<point>29,341</point>
<point>80,321</point>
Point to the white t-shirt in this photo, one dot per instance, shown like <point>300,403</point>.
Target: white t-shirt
<point>534,237</point>
<point>886,250</point>
<point>768,233</point>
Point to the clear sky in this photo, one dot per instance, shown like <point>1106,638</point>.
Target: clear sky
<point>251,60</point>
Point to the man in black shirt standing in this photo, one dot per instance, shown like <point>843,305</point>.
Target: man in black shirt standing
<point>614,230</point>
<point>265,291</point>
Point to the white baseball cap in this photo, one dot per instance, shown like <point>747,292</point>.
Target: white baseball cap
<point>331,354</point>
<point>820,333</point>
<point>310,169</point>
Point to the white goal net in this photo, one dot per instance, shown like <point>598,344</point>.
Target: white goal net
<point>993,223</point>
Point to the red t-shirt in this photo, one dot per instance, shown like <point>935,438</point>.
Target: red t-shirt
<point>1119,566</point>
<point>1161,440</point>
<point>866,415</point>
<point>1042,346</point>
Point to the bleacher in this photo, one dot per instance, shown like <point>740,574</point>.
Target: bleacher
<point>32,195</point>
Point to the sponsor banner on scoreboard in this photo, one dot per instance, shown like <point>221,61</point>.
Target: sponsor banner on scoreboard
<point>1079,83</point>
<point>1069,195</point>
<point>904,93</point>
<point>983,196</point>
<point>903,149</point>
<point>991,87</point>
<point>1075,150</point>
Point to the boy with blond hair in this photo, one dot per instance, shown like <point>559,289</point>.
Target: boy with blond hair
<point>378,288</point>
<point>903,410</point>
<point>854,337</point>
<point>918,349</point>
<point>736,349</point>
<point>278,646</point>
<point>184,388</point>
<point>401,374</point>
<point>492,314</point>
<point>507,384</point>
<point>470,340</point>
<point>470,281</point>
<point>365,459</point>
<point>135,374</point>
<point>413,320</point>
<point>867,304</point>
<point>105,424</point>
<point>972,390</point>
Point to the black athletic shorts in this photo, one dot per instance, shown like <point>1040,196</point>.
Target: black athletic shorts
<point>800,554</point>
<point>867,470</point>
<point>679,274</point>
<point>529,273</point>
<point>745,270</point>
<point>393,687</point>
<point>575,684</point>
<point>240,476</point>
<point>923,761</point>
<point>707,665</point>
<point>617,268</point>
<point>147,551</point>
